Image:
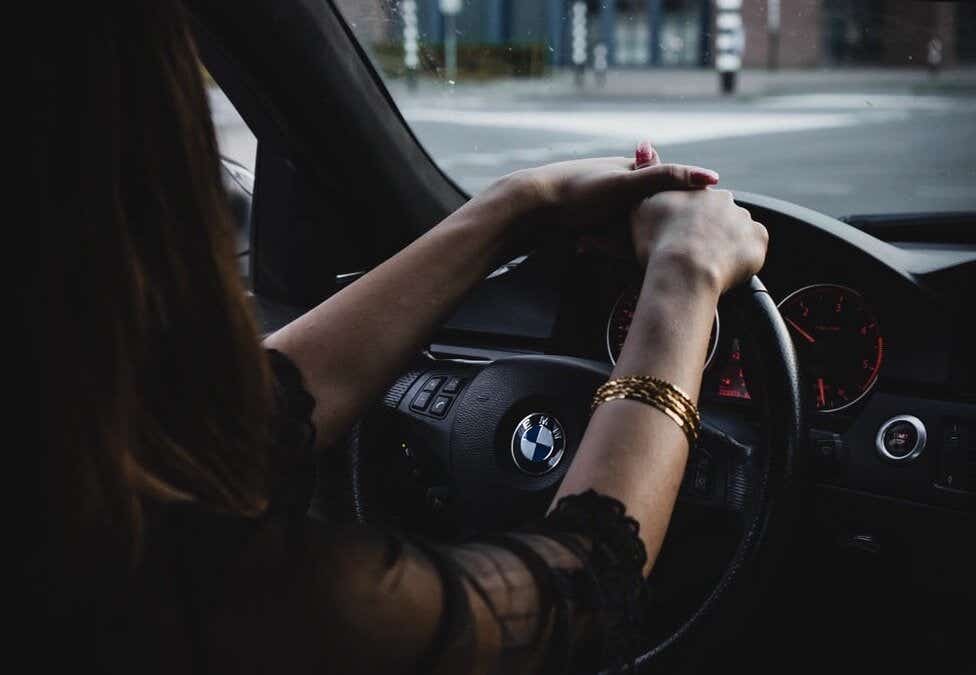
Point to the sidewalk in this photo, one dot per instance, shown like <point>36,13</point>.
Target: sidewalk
<point>671,84</point>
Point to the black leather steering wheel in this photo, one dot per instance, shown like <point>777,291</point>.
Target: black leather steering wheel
<point>479,453</point>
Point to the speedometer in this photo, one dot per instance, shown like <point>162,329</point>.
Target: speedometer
<point>837,341</point>
<point>619,324</point>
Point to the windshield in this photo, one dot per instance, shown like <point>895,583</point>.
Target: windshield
<point>844,106</point>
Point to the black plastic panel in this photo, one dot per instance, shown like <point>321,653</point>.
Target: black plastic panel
<point>920,480</point>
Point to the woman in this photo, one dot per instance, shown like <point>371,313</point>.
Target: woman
<point>171,437</point>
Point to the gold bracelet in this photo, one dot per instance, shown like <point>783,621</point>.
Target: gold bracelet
<point>657,393</point>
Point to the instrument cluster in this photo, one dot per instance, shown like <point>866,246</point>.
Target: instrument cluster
<point>834,329</point>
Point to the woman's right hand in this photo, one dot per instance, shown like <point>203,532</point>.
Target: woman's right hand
<point>702,232</point>
<point>696,244</point>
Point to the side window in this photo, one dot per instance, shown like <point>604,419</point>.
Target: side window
<point>236,141</point>
<point>238,150</point>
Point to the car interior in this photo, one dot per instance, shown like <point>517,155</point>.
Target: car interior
<point>826,520</point>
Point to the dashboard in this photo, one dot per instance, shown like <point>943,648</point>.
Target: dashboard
<point>890,376</point>
<point>882,331</point>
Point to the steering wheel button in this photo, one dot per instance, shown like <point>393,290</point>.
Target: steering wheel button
<point>432,384</point>
<point>701,482</point>
<point>453,385</point>
<point>440,406</point>
<point>421,400</point>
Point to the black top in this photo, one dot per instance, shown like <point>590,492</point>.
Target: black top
<point>287,594</point>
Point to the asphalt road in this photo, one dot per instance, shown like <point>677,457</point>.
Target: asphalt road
<point>832,154</point>
<point>839,153</point>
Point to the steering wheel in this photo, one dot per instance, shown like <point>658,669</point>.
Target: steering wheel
<point>461,447</point>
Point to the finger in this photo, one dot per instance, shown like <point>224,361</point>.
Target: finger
<point>651,179</point>
<point>645,155</point>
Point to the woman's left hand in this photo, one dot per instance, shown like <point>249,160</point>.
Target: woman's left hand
<point>602,191</point>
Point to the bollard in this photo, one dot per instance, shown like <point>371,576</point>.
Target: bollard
<point>934,56</point>
<point>450,9</point>
<point>600,63</point>
<point>772,27</point>
<point>578,33</point>
<point>408,10</point>
<point>729,43</point>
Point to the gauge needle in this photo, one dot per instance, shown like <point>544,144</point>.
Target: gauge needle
<point>799,330</point>
<point>821,397</point>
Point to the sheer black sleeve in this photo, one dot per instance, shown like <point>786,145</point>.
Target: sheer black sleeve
<point>311,597</point>
<point>299,595</point>
<point>563,592</point>
<point>293,438</point>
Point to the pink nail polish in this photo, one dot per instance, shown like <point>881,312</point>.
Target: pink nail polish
<point>644,154</point>
<point>704,177</point>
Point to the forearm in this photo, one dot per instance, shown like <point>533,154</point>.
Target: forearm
<point>632,451</point>
<point>353,344</point>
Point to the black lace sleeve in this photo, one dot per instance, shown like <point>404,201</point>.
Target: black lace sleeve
<point>561,595</point>
<point>564,594</point>
<point>293,437</point>
<point>599,532</point>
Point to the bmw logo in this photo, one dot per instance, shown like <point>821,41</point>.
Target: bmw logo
<point>538,444</point>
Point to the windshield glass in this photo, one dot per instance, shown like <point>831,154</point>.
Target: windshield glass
<point>845,106</point>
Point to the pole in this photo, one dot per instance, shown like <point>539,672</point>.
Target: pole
<point>579,40</point>
<point>411,60</point>
<point>729,43</point>
<point>772,26</point>
<point>450,9</point>
<point>450,48</point>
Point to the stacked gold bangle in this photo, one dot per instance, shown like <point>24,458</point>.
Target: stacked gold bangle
<point>657,393</point>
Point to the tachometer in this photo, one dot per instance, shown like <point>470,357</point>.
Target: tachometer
<point>619,323</point>
<point>838,343</point>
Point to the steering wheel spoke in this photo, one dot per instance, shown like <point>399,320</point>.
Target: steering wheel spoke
<point>720,470</point>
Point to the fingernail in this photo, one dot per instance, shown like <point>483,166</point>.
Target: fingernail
<point>644,154</point>
<point>704,177</point>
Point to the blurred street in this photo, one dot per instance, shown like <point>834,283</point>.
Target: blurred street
<point>835,141</point>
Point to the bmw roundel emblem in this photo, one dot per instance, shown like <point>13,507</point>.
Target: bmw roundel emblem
<point>538,444</point>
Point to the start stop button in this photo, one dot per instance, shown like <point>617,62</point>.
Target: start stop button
<point>901,439</point>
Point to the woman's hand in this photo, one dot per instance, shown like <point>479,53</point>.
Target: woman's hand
<point>600,191</point>
<point>696,244</point>
<point>699,232</point>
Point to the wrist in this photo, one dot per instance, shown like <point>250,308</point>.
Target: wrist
<point>527,197</point>
<point>676,305</point>
<point>675,271</point>
<point>494,217</point>
<point>668,336</point>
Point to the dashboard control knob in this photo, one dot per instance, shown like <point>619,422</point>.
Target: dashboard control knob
<point>901,439</point>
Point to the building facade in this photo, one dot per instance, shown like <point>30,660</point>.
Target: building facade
<point>681,33</point>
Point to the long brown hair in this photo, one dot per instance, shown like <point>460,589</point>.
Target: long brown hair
<point>146,352</point>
